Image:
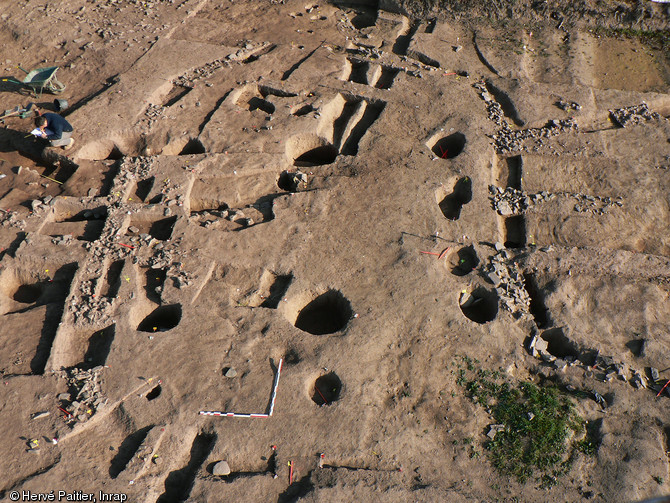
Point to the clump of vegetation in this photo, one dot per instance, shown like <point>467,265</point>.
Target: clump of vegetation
<point>540,434</point>
<point>659,40</point>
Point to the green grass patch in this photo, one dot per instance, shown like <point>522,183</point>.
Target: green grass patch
<point>542,432</point>
<point>659,40</point>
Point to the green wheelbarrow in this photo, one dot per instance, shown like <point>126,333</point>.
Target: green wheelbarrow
<point>39,80</point>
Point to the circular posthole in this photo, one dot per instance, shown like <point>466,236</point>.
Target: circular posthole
<point>328,313</point>
<point>292,357</point>
<point>290,182</point>
<point>449,146</point>
<point>318,156</point>
<point>480,306</point>
<point>451,204</point>
<point>301,110</point>
<point>154,393</point>
<point>192,147</point>
<point>464,261</point>
<point>27,294</point>
<point>161,319</point>
<point>559,344</point>
<point>327,389</point>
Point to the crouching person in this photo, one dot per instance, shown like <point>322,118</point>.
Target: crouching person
<point>54,128</point>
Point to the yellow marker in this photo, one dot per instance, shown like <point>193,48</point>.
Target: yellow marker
<point>44,176</point>
<point>46,270</point>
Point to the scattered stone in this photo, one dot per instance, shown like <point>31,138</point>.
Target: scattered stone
<point>621,370</point>
<point>599,399</point>
<point>638,380</point>
<point>495,279</point>
<point>230,373</point>
<point>505,209</point>
<point>538,346</point>
<point>38,415</point>
<point>291,181</point>
<point>63,240</point>
<point>568,105</point>
<point>221,469</point>
<point>494,429</point>
<point>467,299</point>
<point>234,215</point>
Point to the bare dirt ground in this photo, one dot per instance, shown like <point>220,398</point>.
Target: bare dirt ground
<point>258,181</point>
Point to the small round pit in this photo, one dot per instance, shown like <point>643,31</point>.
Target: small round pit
<point>28,294</point>
<point>327,389</point>
<point>480,306</point>
<point>162,319</point>
<point>464,261</point>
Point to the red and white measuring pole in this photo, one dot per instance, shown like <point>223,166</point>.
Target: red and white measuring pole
<point>253,416</point>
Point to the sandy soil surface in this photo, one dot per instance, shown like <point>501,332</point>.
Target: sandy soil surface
<point>361,196</point>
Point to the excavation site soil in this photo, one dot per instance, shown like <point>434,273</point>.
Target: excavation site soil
<point>306,251</point>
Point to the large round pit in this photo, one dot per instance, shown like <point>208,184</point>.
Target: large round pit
<point>328,313</point>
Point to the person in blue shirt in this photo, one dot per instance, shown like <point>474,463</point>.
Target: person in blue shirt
<point>55,129</point>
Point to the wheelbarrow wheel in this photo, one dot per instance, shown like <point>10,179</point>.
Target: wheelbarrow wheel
<point>55,86</point>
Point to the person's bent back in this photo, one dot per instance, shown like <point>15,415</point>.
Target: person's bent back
<point>55,129</point>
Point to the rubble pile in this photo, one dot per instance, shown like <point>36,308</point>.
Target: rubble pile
<point>179,277</point>
<point>509,282</point>
<point>154,113</point>
<point>85,395</point>
<point>507,140</point>
<point>188,79</point>
<point>9,218</point>
<point>493,109</point>
<point>633,115</point>
<point>595,204</point>
<point>510,201</point>
<point>90,309</point>
<point>603,368</point>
